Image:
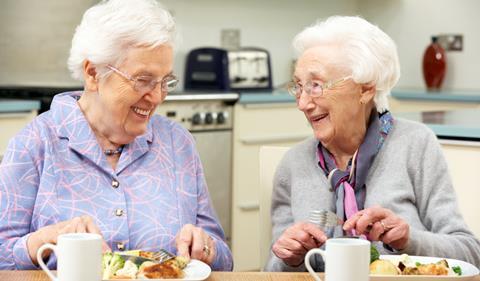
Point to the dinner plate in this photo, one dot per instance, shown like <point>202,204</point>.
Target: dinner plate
<point>195,271</point>
<point>468,270</point>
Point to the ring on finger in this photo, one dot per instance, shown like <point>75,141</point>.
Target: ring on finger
<point>206,250</point>
<point>385,228</point>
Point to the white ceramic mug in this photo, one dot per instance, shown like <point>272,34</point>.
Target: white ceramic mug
<point>79,257</point>
<point>346,259</point>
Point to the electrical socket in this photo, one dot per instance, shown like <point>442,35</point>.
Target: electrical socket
<point>451,42</point>
<point>230,39</point>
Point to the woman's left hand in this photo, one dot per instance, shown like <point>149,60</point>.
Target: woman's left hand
<point>193,242</point>
<point>380,224</point>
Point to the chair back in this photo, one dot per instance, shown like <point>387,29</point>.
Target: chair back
<point>270,157</point>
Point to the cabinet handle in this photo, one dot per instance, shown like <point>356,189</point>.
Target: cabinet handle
<point>255,140</point>
<point>249,207</point>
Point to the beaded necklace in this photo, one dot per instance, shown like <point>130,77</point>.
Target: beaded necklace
<point>110,152</point>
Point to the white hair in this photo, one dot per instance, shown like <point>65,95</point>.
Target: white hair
<point>370,53</point>
<point>111,27</point>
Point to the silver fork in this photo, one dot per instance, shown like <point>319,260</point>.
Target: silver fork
<point>324,218</point>
<point>163,255</point>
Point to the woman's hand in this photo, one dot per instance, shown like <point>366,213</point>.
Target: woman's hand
<point>49,234</point>
<point>193,242</point>
<point>380,224</point>
<point>296,241</point>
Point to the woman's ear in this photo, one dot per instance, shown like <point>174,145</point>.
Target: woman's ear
<point>369,91</point>
<point>90,76</point>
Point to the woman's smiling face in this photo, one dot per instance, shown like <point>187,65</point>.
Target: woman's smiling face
<point>336,114</point>
<point>126,112</point>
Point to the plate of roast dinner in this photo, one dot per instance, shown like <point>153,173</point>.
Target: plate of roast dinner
<point>138,264</point>
<point>412,268</point>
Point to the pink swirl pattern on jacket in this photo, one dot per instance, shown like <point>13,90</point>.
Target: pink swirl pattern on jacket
<point>54,170</point>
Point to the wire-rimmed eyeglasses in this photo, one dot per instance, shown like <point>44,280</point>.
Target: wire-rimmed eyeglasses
<point>313,89</point>
<point>145,84</point>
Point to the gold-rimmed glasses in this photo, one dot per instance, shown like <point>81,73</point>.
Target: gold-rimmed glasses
<point>145,84</point>
<point>313,88</point>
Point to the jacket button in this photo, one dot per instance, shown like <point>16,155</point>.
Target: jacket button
<point>120,246</point>
<point>115,183</point>
<point>118,212</point>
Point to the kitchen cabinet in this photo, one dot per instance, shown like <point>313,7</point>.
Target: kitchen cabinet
<point>256,125</point>
<point>14,115</point>
<point>463,159</point>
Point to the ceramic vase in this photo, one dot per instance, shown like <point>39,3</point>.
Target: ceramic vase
<point>434,65</point>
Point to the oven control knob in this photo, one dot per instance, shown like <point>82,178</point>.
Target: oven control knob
<point>221,118</point>
<point>208,118</point>
<point>197,119</point>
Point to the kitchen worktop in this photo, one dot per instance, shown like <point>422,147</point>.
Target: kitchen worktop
<point>446,95</point>
<point>280,95</point>
<point>11,105</point>
<point>275,96</point>
<point>454,125</point>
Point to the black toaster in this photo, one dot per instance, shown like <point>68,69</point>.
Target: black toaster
<point>246,69</point>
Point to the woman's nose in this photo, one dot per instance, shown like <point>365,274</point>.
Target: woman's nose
<point>304,101</point>
<point>155,96</point>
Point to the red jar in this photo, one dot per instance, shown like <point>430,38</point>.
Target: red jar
<point>434,65</point>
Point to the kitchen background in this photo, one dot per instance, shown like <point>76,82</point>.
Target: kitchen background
<point>35,35</point>
<point>35,38</point>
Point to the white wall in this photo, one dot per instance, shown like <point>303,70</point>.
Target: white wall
<point>412,22</point>
<point>270,24</point>
<point>35,38</point>
<point>35,35</point>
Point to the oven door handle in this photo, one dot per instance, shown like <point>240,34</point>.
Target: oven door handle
<point>248,207</point>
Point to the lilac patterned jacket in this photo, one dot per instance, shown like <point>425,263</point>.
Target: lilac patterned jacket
<point>54,170</point>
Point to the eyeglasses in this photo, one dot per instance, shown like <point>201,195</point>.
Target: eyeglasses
<point>145,84</point>
<point>313,89</point>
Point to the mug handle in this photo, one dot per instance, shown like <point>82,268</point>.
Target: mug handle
<point>307,262</point>
<point>40,259</point>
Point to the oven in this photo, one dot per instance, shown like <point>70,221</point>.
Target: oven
<point>209,117</point>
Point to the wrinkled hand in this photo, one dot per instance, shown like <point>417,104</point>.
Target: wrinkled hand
<point>380,224</point>
<point>193,242</point>
<point>49,234</point>
<point>296,241</point>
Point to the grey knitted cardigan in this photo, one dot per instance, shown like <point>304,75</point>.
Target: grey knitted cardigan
<point>408,176</point>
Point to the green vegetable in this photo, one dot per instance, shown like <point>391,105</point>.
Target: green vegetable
<point>418,264</point>
<point>374,255</point>
<point>457,270</point>
<point>110,264</point>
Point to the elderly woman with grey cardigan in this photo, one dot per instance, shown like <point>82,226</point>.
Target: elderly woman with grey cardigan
<point>386,177</point>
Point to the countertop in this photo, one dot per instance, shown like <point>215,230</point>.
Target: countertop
<point>280,96</point>
<point>454,125</point>
<point>446,95</point>
<point>11,105</point>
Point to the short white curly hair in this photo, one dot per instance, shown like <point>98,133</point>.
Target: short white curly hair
<point>370,53</point>
<point>111,27</point>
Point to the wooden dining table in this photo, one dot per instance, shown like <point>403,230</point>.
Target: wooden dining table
<point>38,275</point>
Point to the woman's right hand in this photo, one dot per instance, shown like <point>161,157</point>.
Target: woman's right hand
<point>296,241</point>
<point>49,234</point>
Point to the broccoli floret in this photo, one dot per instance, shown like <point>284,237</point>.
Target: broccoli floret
<point>111,263</point>
<point>374,255</point>
<point>457,270</point>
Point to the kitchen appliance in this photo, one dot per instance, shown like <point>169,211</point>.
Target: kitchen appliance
<point>245,69</point>
<point>209,118</point>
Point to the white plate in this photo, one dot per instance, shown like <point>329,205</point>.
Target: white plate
<point>195,271</point>
<point>468,270</point>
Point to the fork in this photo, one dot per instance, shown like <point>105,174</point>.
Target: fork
<point>162,256</point>
<point>324,218</point>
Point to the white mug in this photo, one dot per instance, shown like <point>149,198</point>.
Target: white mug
<point>346,259</point>
<point>79,257</point>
